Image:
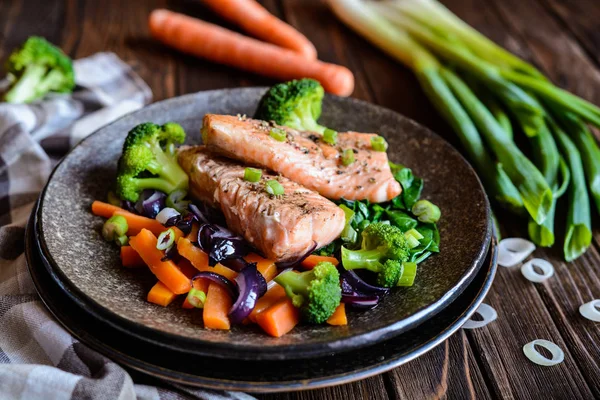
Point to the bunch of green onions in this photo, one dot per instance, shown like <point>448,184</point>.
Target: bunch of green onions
<point>485,93</point>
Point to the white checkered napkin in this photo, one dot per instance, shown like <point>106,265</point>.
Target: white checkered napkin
<point>38,358</point>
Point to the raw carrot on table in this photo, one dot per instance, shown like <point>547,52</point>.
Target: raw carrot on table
<point>166,271</point>
<point>279,319</point>
<point>312,260</point>
<point>256,20</point>
<point>266,267</point>
<point>138,222</point>
<point>339,316</point>
<point>199,284</point>
<point>161,295</point>
<point>216,307</point>
<point>130,258</point>
<point>223,46</point>
<point>105,210</point>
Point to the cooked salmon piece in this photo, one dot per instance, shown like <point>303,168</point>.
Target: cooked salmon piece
<point>305,158</point>
<point>281,227</point>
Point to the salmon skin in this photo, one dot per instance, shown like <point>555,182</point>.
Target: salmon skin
<point>305,158</point>
<point>282,227</point>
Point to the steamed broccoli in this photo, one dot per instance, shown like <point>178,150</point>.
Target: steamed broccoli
<point>296,104</point>
<point>149,161</point>
<point>316,293</point>
<point>37,68</point>
<point>384,248</point>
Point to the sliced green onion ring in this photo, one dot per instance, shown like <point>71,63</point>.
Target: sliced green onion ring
<point>330,136</point>
<point>409,272</point>
<point>530,273</point>
<point>530,352</point>
<point>165,239</point>
<point>512,251</point>
<point>412,241</point>
<point>414,233</point>
<point>591,310</point>
<point>347,157</point>
<point>278,134</point>
<point>176,201</point>
<point>274,188</point>
<point>252,174</point>
<point>487,312</point>
<point>378,143</point>
<point>196,298</point>
<point>426,211</point>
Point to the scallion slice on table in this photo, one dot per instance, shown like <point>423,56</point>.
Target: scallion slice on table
<point>252,174</point>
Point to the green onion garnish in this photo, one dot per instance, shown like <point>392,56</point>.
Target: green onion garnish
<point>274,188</point>
<point>409,272</point>
<point>278,134</point>
<point>426,211</point>
<point>412,241</point>
<point>252,174</point>
<point>330,136</point>
<point>196,298</point>
<point>347,157</point>
<point>349,234</point>
<point>413,233</point>
<point>165,239</point>
<point>378,143</point>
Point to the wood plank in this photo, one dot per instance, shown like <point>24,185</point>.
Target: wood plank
<point>448,371</point>
<point>371,388</point>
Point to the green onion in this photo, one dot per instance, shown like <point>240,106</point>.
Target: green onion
<point>115,230</point>
<point>122,240</point>
<point>349,234</point>
<point>378,143</point>
<point>414,233</point>
<point>426,211</point>
<point>274,188</point>
<point>176,200</point>
<point>252,174</point>
<point>347,157</point>
<point>330,136</point>
<point>278,134</point>
<point>196,297</point>
<point>409,272</point>
<point>412,241</point>
<point>165,239</point>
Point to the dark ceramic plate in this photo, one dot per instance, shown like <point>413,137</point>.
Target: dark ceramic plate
<point>70,235</point>
<point>257,376</point>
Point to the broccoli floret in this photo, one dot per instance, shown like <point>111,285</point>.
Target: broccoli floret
<point>149,161</point>
<point>37,68</point>
<point>296,104</point>
<point>383,250</point>
<point>316,293</point>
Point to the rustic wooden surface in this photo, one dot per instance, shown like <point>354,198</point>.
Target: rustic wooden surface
<point>562,38</point>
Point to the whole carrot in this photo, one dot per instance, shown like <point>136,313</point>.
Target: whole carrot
<point>259,22</point>
<point>223,46</point>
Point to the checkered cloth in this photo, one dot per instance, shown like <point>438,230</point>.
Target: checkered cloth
<point>38,358</point>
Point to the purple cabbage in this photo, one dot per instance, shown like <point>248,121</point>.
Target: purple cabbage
<point>185,223</point>
<point>218,279</point>
<point>222,245</point>
<point>350,279</point>
<point>251,286</point>
<point>360,302</point>
<point>150,203</point>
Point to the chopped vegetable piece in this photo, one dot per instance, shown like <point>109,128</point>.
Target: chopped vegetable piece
<point>348,234</point>
<point>196,298</point>
<point>136,223</point>
<point>530,352</point>
<point>274,188</point>
<point>347,157</point>
<point>412,242</point>
<point>278,134</point>
<point>224,271</point>
<point>175,200</point>
<point>311,261</point>
<point>105,210</point>
<point>512,251</point>
<point>273,295</point>
<point>338,317</point>
<point>161,295</point>
<point>414,233</point>
<point>197,257</point>
<point>279,319</point>
<point>409,272</point>
<point>530,273</point>
<point>130,258</point>
<point>591,310</point>
<point>266,267</point>
<point>187,268</point>
<point>166,271</point>
<point>115,230</point>
<point>426,211</point>
<point>378,143</point>
<point>166,239</point>
<point>252,174</point>
<point>330,136</point>
<point>216,307</point>
<point>198,284</point>
<point>193,235</point>
<point>486,312</point>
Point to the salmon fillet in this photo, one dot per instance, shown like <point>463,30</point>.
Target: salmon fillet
<point>283,227</point>
<point>304,158</point>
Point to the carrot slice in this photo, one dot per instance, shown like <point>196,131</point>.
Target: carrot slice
<point>195,255</point>
<point>257,21</point>
<point>279,319</point>
<point>272,296</point>
<point>161,295</point>
<point>105,210</point>
<point>267,268</point>
<point>130,258</point>
<point>137,222</point>
<point>193,235</point>
<point>339,316</point>
<point>223,270</point>
<point>199,284</point>
<point>312,260</point>
<point>166,271</point>
<point>217,306</point>
<point>223,46</point>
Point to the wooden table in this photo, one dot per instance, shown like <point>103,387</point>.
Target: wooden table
<point>561,39</point>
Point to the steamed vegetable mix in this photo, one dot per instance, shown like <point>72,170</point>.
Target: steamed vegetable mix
<point>488,96</point>
<point>36,69</point>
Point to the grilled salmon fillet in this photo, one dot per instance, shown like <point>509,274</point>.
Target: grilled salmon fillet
<point>282,227</point>
<point>304,158</point>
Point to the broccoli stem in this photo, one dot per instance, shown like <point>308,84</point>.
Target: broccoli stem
<point>295,285</point>
<point>26,88</point>
<point>362,259</point>
<point>166,167</point>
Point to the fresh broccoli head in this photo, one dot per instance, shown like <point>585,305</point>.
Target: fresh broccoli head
<point>149,161</point>
<point>384,248</point>
<point>37,68</point>
<point>316,293</point>
<point>296,104</point>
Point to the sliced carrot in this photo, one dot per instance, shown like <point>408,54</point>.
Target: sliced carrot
<point>279,319</point>
<point>161,295</point>
<point>130,258</point>
<point>199,284</point>
<point>187,268</point>
<point>267,268</point>
<point>272,296</point>
<point>178,232</point>
<point>223,270</point>
<point>138,222</point>
<point>195,255</point>
<point>339,316</point>
<point>312,260</point>
<point>223,46</point>
<point>217,306</point>
<point>105,210</point>
<point>256,20</point>
<point>166,271</point>
<point>193,235</point>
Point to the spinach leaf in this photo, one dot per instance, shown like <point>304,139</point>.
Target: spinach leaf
<point>402,220</point>
<point>411,194</point>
